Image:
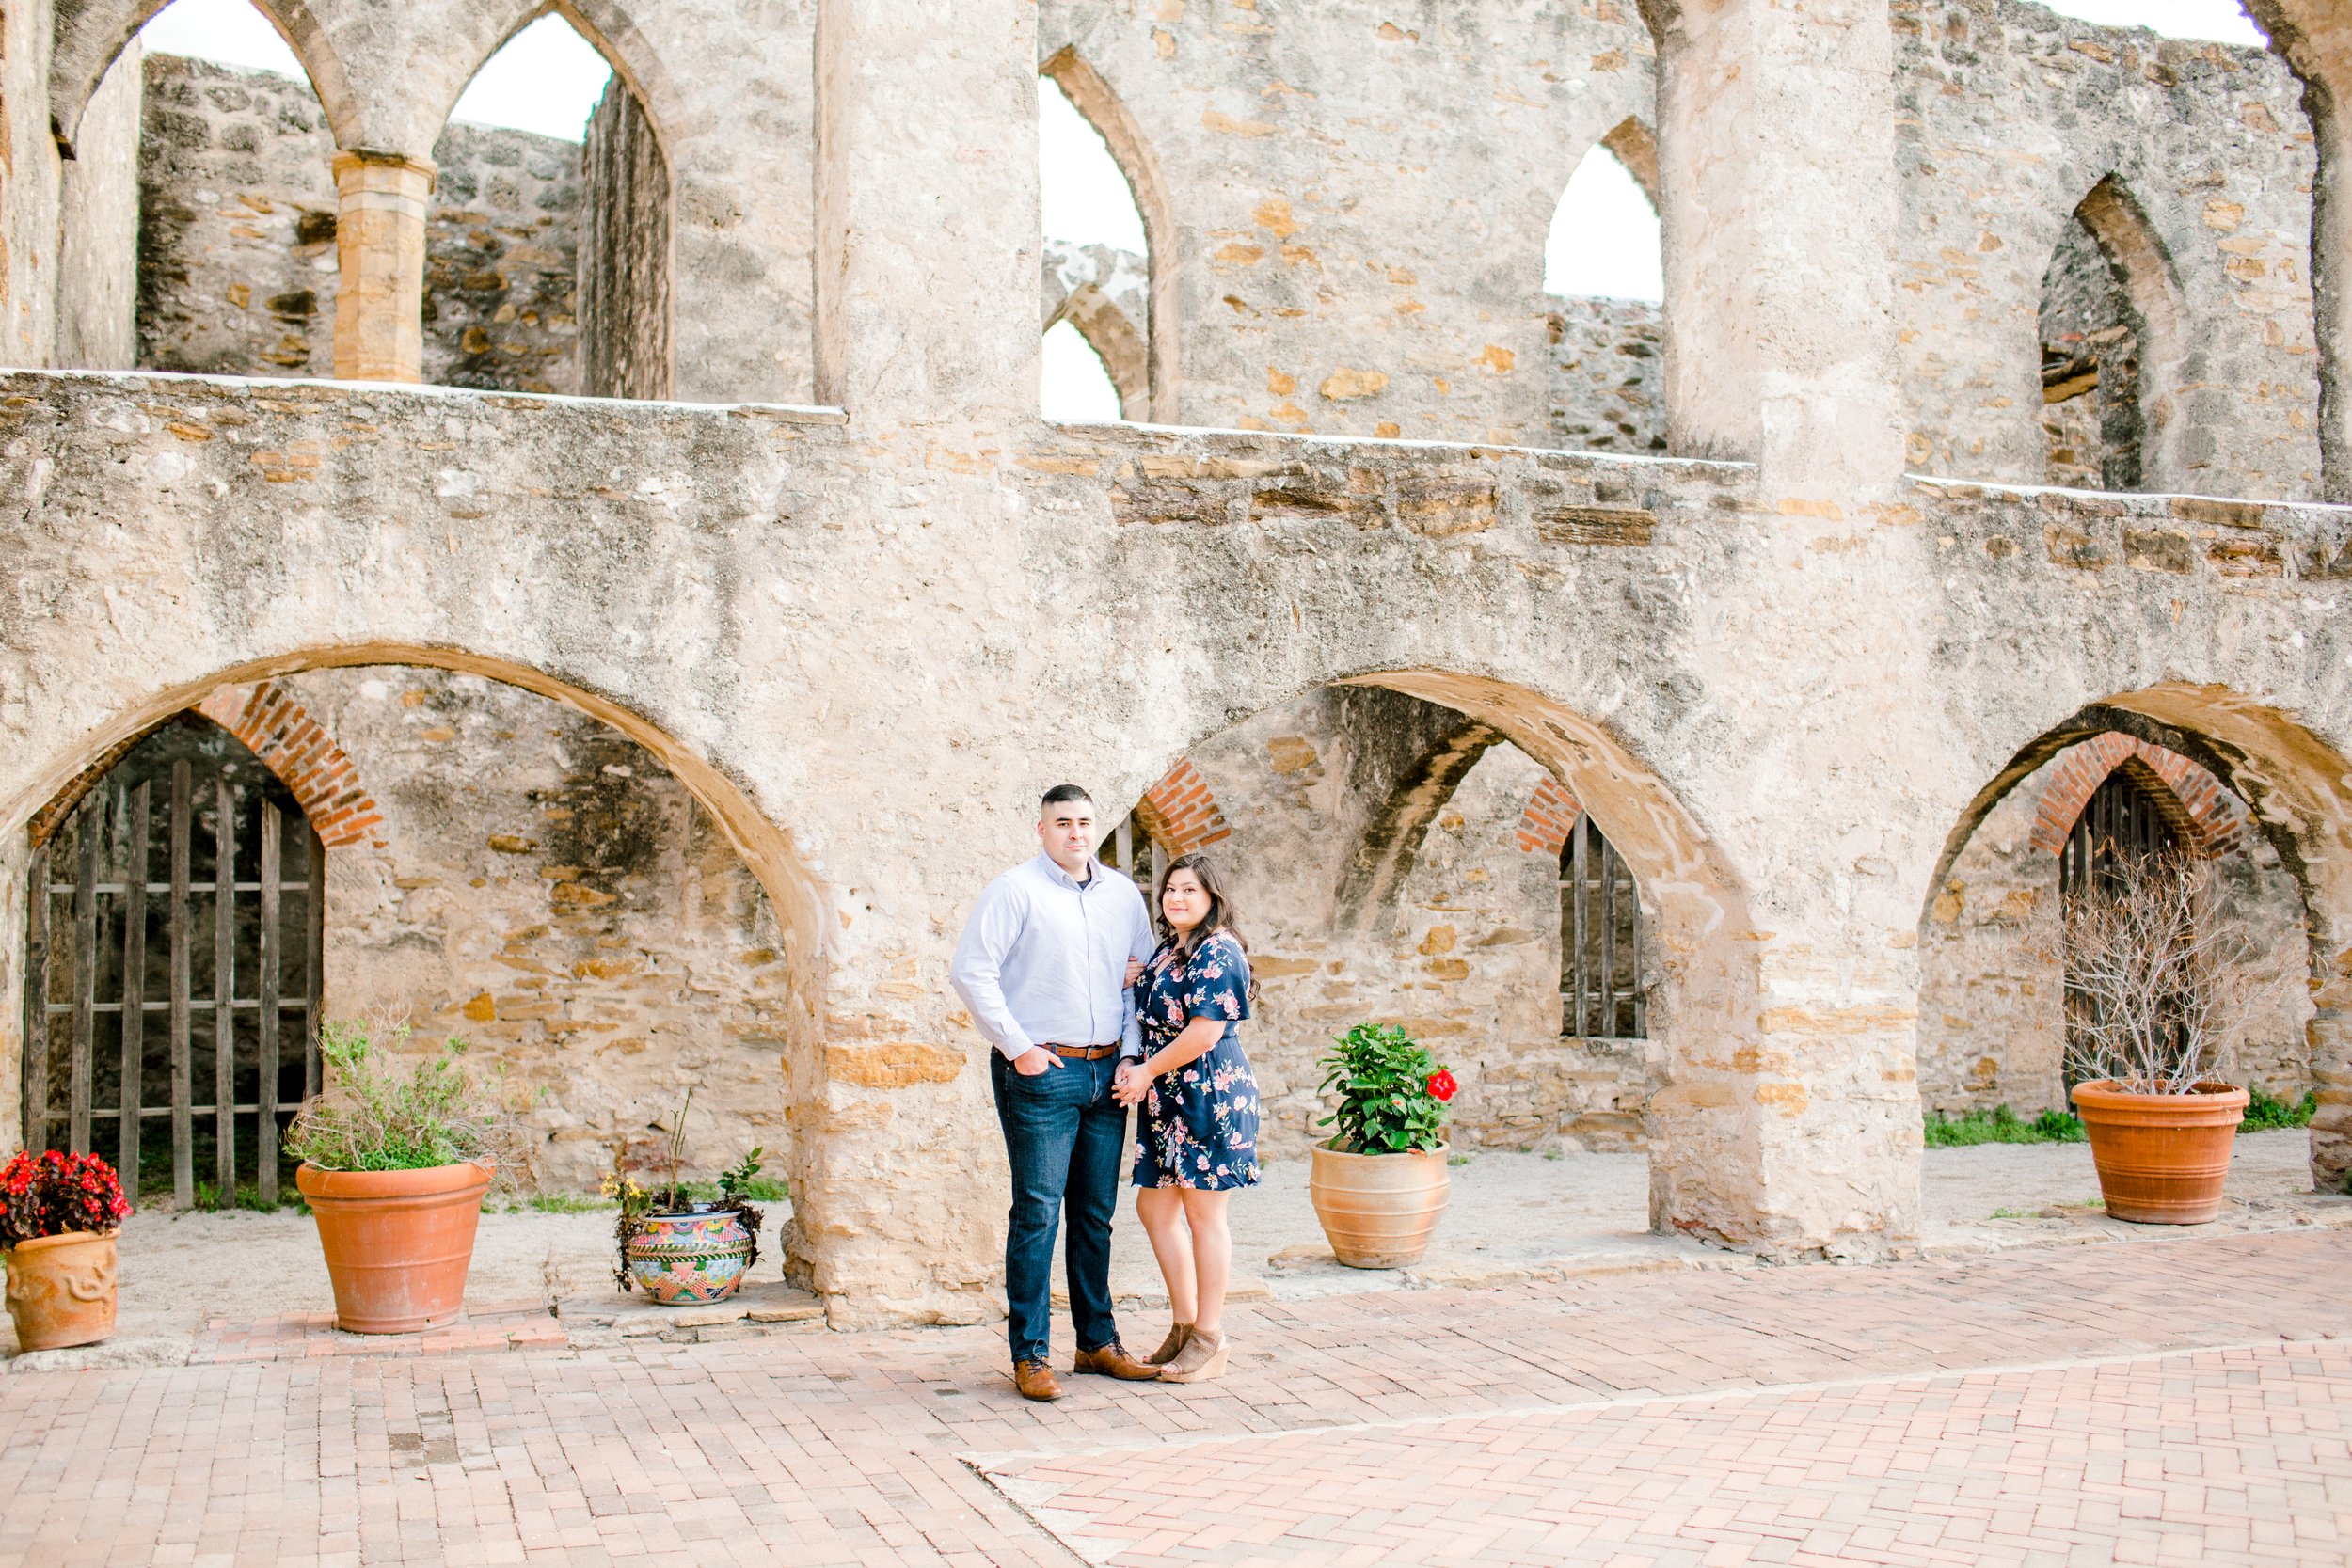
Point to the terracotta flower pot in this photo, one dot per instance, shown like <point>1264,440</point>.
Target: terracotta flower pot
<point>1379,1210</point>
<point>689,1258</point>
<point>62,1289</point>
<point>398,1242</point>
<point>2162,1158</point>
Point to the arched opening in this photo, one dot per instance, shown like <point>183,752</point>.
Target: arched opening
<point>548,258</point>
<point>1395,844</point>
<point>2192,767</point>
<point>172,953</point>
<point>2111,328</point>
<point>535,870</point>
<point>1603,265</point>
<point>1108,233</point>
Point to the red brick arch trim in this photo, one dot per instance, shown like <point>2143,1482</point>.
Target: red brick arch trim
<point>1550,817</point>
<point>2217,821</point>
<point>304,757</point>
<point>1180,812</point>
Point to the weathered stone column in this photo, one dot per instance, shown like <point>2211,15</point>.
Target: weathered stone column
<point>1776,147</point>
<point>927,223</point>
<point>379,239</point>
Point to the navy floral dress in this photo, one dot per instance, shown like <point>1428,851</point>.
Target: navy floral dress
<point>1199,1128</point>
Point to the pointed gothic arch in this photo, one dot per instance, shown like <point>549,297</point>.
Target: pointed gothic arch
<point>1092,97</point>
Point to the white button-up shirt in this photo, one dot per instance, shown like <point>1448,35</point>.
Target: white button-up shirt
<point>1044,959</point>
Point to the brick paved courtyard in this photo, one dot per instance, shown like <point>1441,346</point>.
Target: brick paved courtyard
<point>2175,1401</point>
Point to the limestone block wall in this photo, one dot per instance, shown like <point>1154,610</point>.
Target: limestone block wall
<point>1462,951</point>
<point>543,888</point>
<point>1363,195</point>
<point>2010,116</point>
<point>237,208</point>
<point>624,268</point>
<point>500,259</point>
<point>1991,978</point>
<point>1608,382</point>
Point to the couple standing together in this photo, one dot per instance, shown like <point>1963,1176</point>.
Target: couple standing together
<point>1094,1006</point>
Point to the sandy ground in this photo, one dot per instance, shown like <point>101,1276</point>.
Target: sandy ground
<point>1510,1213</point>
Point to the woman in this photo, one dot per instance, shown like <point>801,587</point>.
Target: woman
<point>1197,1139</point>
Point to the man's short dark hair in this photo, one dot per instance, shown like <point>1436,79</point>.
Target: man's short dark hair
<point>1059,793</point>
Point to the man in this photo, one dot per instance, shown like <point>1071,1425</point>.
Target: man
<point>1044,967</point>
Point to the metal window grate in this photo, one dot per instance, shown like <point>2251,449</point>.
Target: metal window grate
<point>1601,995</point>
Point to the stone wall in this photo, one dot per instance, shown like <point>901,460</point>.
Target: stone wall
<point>1608,382</point>
<point>2011,115</point>
<point>501,256</point>
<point>543,888</point>
<point>2091,389</point>
<point>98,221</point>
<point>624,253</point>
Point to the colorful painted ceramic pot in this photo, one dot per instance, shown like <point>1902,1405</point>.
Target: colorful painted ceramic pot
<point>689,1258</point>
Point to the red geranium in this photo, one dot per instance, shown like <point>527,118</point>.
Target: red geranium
<point>51,1193</point>
<point>1441,1085</point>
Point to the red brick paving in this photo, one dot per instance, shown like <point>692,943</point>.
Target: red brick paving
<point>301,1336</point>
<point>822,1449</point>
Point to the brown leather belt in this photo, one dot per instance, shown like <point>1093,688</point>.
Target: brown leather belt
<point>1082,1052</point>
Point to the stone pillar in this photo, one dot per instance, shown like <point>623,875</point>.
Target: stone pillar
<point>1780,268</point>
<point>2332,291</point>
<point>927,223</point>
<point>379,239</point>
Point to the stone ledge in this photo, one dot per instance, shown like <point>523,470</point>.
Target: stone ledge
<point>755,1310</point>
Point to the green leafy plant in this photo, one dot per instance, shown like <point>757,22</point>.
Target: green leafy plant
<point>2001,1125</point>
<point>376,1117</point>
<point>2266,1113</point>
<point>1393,1092</point>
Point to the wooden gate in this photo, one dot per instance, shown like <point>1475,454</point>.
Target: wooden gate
<point>2119,824</point>
<point>1601,940</point>
<point>187,865</point>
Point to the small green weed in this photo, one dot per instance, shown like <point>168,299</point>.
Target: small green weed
<point>2265,1112</point>
<point>560,1203</point>
<point>2001,1125</point>
<point>1458,1159</point>
<point>207,1199</point>
<point>1551,1155</point>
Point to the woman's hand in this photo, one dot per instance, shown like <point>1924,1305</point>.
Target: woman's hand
<point>1130,1083</point>
<point>1135,970</point>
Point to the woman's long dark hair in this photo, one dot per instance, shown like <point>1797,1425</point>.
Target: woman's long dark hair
<point>1219,918</point>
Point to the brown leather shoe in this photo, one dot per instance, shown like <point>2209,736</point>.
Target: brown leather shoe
<point>1112,1360</point>
<point>1035,1380</point>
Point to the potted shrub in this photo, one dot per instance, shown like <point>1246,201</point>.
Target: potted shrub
<point>394,1167</point>
<point>2162,982</point>
<point>1379,1184</point>
<point>681,1248</point>
<point>59,1215</point>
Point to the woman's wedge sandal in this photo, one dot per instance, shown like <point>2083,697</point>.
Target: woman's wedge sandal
<point>1201,1358</point>
<point>1177,1335</point>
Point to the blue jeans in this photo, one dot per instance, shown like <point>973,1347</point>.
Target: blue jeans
<point>1063,1133</point>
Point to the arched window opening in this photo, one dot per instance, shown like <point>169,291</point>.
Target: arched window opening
<point>1601,991</point>
<point>548,256</point>
<point>2092,434</point>
<point>1077,384</point>
<point>174,934</point>
<point>1098,260</point>
<point>1603,266</point>
<point>236,265</point>
<point>1129,848</point>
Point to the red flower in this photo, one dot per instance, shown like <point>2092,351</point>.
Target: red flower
<point>1441,1085</point>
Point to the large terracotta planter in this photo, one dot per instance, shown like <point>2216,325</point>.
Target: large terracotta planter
<point>62,1289</point>
<point>2162,1158</point>
<point>689,1258</point>
<point>398,1242</point>
<point>1379,1210</point>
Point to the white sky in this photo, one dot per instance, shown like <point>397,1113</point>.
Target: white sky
<point>1603,237</point>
